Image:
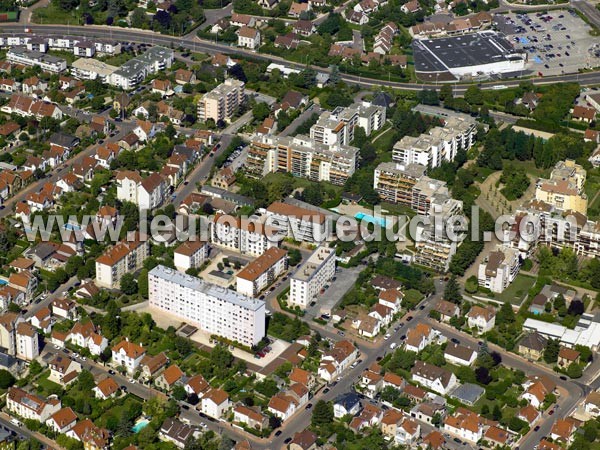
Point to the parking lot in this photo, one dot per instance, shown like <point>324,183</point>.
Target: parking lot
<point>556,42</point>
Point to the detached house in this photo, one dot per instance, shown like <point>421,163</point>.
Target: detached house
<point>215,403</point>
<point>482,319</point>
<point>282,406</point>
<point>465,424</point>
<point>419,337</point>
<point>447,310</point>
<point>536,390</point>
<point>106,388</point>
<point>63,370</point>
<point>128,355</point>
<point>336,360</point>
<point>30,406</point>
<point>62,420</point>
<point>250,417</point>
<point>248,37</point>
<point>460,355</point>
<point>169,377</point>
<point>432,377</point>
<point>346,404</point>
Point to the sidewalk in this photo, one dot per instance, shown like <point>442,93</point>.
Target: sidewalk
<point>40,437</point>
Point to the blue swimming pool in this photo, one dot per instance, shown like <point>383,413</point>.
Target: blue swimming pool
<point>370,219</point>
<point>72,227</point>
<point>139,425</point>
<point>3,282</point>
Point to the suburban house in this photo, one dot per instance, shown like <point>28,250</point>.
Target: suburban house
<point>482,319</point>
<point>433,377</point>
<point>215,403</point>
<point>128,354</point>
<point>460,355</point>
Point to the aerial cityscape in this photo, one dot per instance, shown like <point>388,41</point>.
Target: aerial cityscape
<point>299,224</point>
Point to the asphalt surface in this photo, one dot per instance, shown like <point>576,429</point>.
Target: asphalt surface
<point>196,44</point>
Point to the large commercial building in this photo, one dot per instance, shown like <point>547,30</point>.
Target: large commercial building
<point>133,72</point>
<point>471,55</point>
<point>438,145</point>
<point>311,277</point>
<point>302,157</point>
<point>222,102</point>
<point>564,189</point>
<point>48,63</point>
<point>261,272</point>
<point>214,309</point>
<point>125,257</point>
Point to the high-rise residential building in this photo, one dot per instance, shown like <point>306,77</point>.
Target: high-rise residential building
<point>424,193</point>
<point>222,102</point>
<point>438,145</point>
<point>311,277</point>
<point>337,126</point>
<point>564,188</point>
<point>214,309</point>
<point>124,257</point>
<point>302,157</point>
<point>394,182</point>
<point>435,247</point>
<point>262,272</point>
<point>499,269</point>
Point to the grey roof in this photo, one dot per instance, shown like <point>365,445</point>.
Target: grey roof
<point>468,393</point>
<point>439,55</point>
<point>347,400</point>
<point>7,361</point>
<point>240,200</point>
<point>383,99</point>
<point>206,288</point>
<point>534,341</point>
<point>43,250</point>
<point>64,140</point>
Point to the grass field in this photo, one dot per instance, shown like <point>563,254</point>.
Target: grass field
<point>516,293</point>
<point>298,182</point>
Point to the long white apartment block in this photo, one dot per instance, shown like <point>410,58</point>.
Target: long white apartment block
<point>312,276</point>
<point>133,72</point>
<point>299,224</point>
<point>261,272</point>
<point>48,63</point>
<point>213,309</point>
<point>246,236</point>
<point>439,145</point>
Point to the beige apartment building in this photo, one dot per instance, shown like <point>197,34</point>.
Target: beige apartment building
<point>564,188</point>
<point>222,102</point>
<point>125,257</point>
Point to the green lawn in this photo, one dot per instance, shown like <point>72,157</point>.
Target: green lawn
<point>53,14</point>
<point>298,182</point>
<point>516,293</point>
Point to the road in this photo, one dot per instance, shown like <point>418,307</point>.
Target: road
<point>196,44</point>
<point>588,10</point>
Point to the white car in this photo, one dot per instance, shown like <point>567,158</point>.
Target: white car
<point>387,336</point>
<point>132,381</point>
<point>393,345</point>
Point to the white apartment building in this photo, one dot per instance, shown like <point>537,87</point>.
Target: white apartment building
<point>439,145</point>
<point>222,102</point>
<point>262,272</point>
<point>151,192</point>
<point>8,331</point>
<point>302,157</point>
<point>133,72</point>
<point>128,183</point>
<point>311,276</point>
<point>47,63</point>
<point>499,269</point>
<point>337,126</point>
<point>28,343</point>
<point>248,237</point>
<point>297,223</point>
<point>124,257</point>
<point>190,254</point>
<point>29,406</point>
<point>92,69</point>
<point>212,308</point>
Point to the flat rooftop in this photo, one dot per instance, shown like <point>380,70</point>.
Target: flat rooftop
<point>440,55</point>
<point>205,288</point>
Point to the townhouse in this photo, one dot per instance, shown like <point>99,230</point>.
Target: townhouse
<point>336,360</point>
<point>250,417</point>
<point>435,378</point>
<point>27,106</point>
<point>262,272</point>
<point>311,277</point>
<point>29,406</point>
<point>176,432</point>
<point>465,424</point>
<point>124,257</point>
<point>212,308</point>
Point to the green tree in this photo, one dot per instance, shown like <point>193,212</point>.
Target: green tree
<point>6,379</point>
<point>574,371</point>
<point>260,111</point>
<point>128,284</point>
<point>143,283</point>
<point>452,291</point>
<point>551,351</point>
<point>322,413</point>
<point>179,392</point>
